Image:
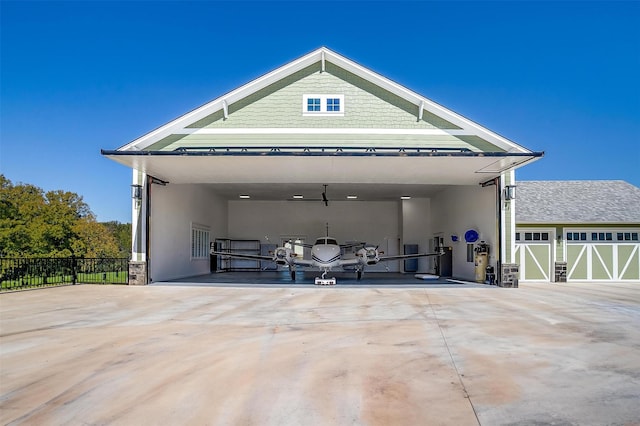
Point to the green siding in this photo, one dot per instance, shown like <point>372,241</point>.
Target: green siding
<point>480,144</point>
<point>366,105</point>
<point>359,140</point>
<point>508,209</point>
<point>559,244</point>
<point>168,143</point>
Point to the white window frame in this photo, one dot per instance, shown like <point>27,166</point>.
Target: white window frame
<point>590,231</point>
<point>323,106</point>
<point>200,241</point>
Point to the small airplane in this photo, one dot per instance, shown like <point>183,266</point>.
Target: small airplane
<point>326,254</point>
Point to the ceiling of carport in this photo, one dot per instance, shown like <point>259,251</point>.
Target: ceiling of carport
<point>335,192</point>
<point>279,177</point>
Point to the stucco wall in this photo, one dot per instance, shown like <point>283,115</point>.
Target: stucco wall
<point>376,223</point>
<point>416,228</point>
<point>174,208</point>
<point>462,208</point>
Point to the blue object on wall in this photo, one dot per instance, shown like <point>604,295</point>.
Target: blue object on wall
<point>471,236</point>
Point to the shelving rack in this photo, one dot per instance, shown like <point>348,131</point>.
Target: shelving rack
<point>229,264</point>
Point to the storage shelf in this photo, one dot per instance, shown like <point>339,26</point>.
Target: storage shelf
<point>229,264</point>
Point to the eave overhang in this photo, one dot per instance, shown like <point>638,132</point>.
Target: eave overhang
<point>424,166</point>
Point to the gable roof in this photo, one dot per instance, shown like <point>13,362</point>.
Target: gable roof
<point>577,202</point>
<point>323,55</point>
<point>183,151</point>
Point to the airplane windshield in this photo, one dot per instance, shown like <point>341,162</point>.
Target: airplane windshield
<point>326,241</point>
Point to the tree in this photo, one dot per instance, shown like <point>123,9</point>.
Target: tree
<point>93,240</point>
<point>56,223</point>
<point>122,233</point>
<point>20,213</point>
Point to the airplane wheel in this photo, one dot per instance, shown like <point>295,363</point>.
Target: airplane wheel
<point>293,275</point>
<point>359,275</point>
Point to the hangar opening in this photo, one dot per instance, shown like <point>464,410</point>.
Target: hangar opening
<point>321,140</point>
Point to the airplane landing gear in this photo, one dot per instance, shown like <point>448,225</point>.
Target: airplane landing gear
<point>293,275</point>
<point>359,275</point>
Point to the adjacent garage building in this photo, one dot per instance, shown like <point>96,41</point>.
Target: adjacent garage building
<point>321,142</point>
<point>578,231</point>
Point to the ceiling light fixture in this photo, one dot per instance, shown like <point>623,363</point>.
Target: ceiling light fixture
<point>298,197</point>
<point>244,196</point>
<point>352,197</point>
<point>405,197</point>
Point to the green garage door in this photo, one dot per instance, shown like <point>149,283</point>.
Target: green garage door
<point>534,254</point>
<point>603,262</point>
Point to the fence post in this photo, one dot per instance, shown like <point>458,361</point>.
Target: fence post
<point>74,275</point>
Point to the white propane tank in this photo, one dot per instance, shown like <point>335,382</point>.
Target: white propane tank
<point>481,261</point>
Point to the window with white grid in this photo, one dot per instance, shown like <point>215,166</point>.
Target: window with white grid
<point>200,237</point>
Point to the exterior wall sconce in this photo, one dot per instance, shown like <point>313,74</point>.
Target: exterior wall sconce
<point>136,192</point>
<point>509,192</point>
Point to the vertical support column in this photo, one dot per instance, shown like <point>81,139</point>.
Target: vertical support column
<point>138,262</point>
<point>508,268</point>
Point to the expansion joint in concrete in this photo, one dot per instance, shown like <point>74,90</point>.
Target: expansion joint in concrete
<point>453,362</point>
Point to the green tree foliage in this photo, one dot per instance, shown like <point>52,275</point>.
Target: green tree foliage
<point>56,223</point>
<point>122,234</point>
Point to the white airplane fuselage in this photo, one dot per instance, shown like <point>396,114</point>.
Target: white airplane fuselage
<point>325,254</point>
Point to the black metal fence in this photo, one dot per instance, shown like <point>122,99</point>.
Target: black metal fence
<point>18,273</point>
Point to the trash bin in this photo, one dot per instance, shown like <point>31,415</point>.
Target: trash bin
<point>491,275</point>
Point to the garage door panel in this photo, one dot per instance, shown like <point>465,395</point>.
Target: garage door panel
<point>577,264</point>
<point>629,262</point>
<point>535,261</point>
<point>602,262</point>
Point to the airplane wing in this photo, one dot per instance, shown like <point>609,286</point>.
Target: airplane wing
<point>350,262</point>
<point>409,256</point>
<point>303,262</point>
<point>344,246</point>
<point>243,256</point>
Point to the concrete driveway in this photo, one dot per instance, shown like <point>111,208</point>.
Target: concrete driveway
<point>541,354</point>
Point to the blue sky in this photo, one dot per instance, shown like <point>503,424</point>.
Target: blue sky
<point>559,77</point>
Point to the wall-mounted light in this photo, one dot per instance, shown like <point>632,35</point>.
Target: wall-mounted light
<point>509,192</point>
<point>352,197</point>
<point>136,192</point>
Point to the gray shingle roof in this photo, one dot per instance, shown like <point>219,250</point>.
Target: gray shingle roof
<point>577,201</point>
